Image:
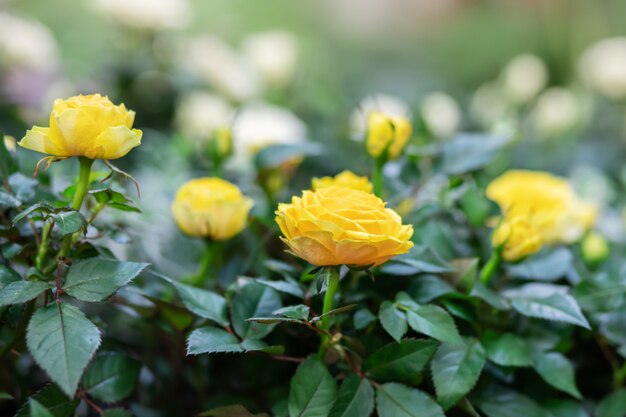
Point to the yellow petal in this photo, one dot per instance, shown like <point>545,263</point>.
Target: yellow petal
<point>38,139</point>
<point>114,142</point>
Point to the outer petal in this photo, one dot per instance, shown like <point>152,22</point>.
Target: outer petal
<point>38,139</point>
<point>75,129</point>
<point>114,142</point>
<point>312,251</point>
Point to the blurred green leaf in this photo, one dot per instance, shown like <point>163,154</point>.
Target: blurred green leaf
<point>275,155</point>
<point>507,349</point>
<point>363,318</point>
<point>545,266</point>
<point>419,260</point>
<point>557,371</point>
<point>116,412</point>
<point>230,411</point>
<point>8,200</point>
<point>613,405</point>
<point>355,398</point>
<point>51,397</point>
<point>397,400</point>
<point>38,410</point>
<point>401,362</point>
<point>62,341</point>
<point>111,377</point>
<point>469,152</point>
<point>564,408</point>
<point>500,402</point>
<point>7,276</point>
<point>312,390</point>
<point>21,291</point>
<point>429,287</point>
<point>203,303</point>
<point>558,307</point>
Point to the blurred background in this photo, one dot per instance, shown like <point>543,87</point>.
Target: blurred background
<point>304,73</point>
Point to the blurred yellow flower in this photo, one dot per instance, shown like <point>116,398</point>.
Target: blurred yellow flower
<point>89,126</point>
<point>211,207</point>
<point>342,226</point>
<point>9,143</point>
<point>384,132</point>
<point>517,237</point>
<point>595,247</point>
<point>548,202</point>
<point>344,179</point>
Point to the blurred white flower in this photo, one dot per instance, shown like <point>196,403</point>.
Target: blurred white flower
<point>390,105</point>
<point>273,55</point>
<point>441,113</point>
<point>218,64</point>
<point>603,67</point>
<point>523,78</point>
<point>26,44</point>
<point>260,124</point>
<point>146,14</point>
<point>488,106</point>
<point>558,110</point>
<point>199,114</point>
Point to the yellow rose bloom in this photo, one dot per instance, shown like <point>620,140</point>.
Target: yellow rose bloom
<point>89,126</point>
<point>342,226</point>
<point>548,202</point>
<point>211,207</point>
<point>384,132</point>
<point>344,179</point>
<point>517,237</point>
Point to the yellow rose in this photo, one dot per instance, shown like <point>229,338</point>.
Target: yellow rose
<point>342,226</point>
<point>344,179</point>
<point>384,132</point>
<point>211,207</point>
<point>89,126</point>
<point>517,237</point>
<point>548,202</point>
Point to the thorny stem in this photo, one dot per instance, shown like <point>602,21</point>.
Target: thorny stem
<point>43,247</point>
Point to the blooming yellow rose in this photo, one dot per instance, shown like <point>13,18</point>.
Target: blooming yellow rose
<point>211,207</point>
<point>342,226</point>
<point>89,126</point>
<point>548,202</point>
<point>517,237</point>
<point>344,179</point>
<point>384,132</point>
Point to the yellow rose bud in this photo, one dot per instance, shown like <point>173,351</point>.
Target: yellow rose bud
<point>344,179</point>
<point>224,141</point>
<point>211,207</point>
<point>9,143</point>
<point>384,132</point>
<point>342,226</point>
<point>595,248</point>
<point>548,202</point>
<point>89,126</point>
<point>517,237</point>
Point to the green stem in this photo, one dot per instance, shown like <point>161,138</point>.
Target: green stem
<point>332,283</point>
<point>209,257</point>
<point>491,266</point>
<point>377,176</point>
<point>79,196</point>
<point>43,247</point>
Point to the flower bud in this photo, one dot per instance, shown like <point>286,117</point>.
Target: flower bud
<point>386,133</point>
<point>344,179</point>
<point>595,248</point>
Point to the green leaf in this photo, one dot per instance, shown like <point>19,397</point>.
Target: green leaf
<point>355,398</point>
<point>114,200</point>
<point>54,400</point>
<point>254,300</point>
<point>419,260</point>
<point>393,320</point>
<point>312,390</point>
<point>19,292</point>
<point>397,400</point>
<point>507,349</point>
<point>363,318</point>
<point>401,362</point>
<point>8,200</point>
<point>557,307</point>
<point>557,371</point>
<point>429,287</point>
<point>97,279</point>
<point>297,312</point>
<point>230,411</point>
<point>62,341</point>
<point>43,207</point>
<point>117,412</point>
<point>7,276</point>
<point>5,396</point>
<point>38,410</point>
<point>501,402</point>
<point>490,297</point>
<point>214,340</point>
<point>203,303</point>
<point>111,377</point>
<point>433,321</point>
<point>287,287</point>
<point>274,155</point>
<point>613,405</point>
<point>455,370</point>
<point>469,152</point>
<point>545,266</point>
<point>69,222</point>
<point>564,408</point>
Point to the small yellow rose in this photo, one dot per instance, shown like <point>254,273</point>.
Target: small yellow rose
<point>548,202</point>
<point>89,126</point>
<point>342,226</point>
<point>344,179</point>
<point>517,237</point>
<point>384,132</point>
<point>595,248</point>
<point>211,207</point>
